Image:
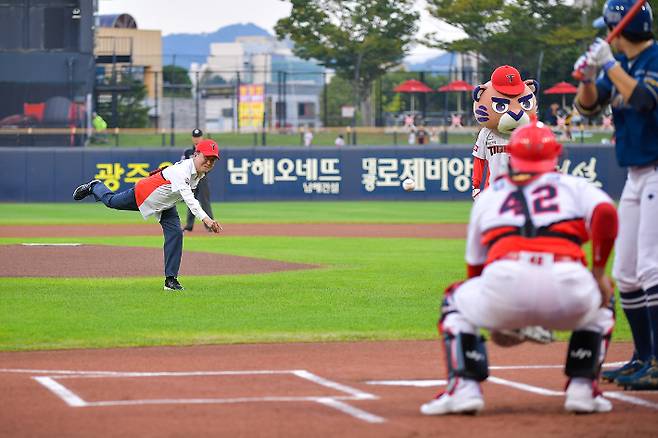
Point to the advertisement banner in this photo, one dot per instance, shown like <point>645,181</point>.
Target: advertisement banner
<point>252,106</point>
<point>273,173</point>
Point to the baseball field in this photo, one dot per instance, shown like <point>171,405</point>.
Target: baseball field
<point>300,319</point>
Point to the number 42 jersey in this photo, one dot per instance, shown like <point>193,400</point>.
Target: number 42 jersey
<point>559,207</point>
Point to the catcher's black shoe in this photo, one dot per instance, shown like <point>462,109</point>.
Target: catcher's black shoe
<point>84,190</point>
<point>171,283</point>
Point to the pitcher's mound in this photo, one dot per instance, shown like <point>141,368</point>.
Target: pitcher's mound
<point>121,261</point>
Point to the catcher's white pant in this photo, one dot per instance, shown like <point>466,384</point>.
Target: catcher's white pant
<point>636,248</point>
<point>511,294</point>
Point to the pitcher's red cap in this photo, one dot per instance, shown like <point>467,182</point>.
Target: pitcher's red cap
<point>507,80</point>
<point>208,148</point>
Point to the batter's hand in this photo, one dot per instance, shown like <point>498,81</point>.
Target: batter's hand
<point>588,72</point>
<point>599,54</point>
<point>213,225</point>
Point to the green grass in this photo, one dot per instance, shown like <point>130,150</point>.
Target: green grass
<point>365,289</point>
<point>234,139</point>
<point>250,212</point>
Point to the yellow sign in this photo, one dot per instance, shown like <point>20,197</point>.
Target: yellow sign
<point>252,106</point>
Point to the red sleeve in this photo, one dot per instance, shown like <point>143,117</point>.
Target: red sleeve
<point>478,170</point>
<point>474,270</point>
<point>604,231</point>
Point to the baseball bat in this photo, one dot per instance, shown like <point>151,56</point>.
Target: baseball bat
<point>617,30</point>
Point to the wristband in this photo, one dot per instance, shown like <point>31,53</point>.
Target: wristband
<point>608,65</point>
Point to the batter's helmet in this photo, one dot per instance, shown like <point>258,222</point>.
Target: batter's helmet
<point>533,148</point>
<point>615,10</point>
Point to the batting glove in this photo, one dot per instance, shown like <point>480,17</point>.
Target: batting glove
<point>587,71</point>
<point>599,54</point>
<point>475,192</point>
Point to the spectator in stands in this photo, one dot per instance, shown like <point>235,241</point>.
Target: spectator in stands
<point>340,141</point>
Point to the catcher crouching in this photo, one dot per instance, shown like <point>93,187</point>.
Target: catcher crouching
<point>526,267</point>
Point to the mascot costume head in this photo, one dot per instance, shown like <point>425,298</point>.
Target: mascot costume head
<point>506,101</point>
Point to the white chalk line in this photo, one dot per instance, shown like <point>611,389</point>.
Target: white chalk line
<point>350,410</point>
<point>617,395</point>
<point>61,391</point>
<point>524,387</point>
<point>359,395</point>
<point>334,402</point>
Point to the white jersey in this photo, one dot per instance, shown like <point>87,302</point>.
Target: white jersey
<point>560,205</point>
<point>492,147</point>
<point>163,190</point>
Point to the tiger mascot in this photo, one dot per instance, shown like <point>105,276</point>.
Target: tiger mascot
<point>500,106</point>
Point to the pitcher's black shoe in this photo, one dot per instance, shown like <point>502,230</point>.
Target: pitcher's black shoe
<point>84,190</point>
<point>171,283</point>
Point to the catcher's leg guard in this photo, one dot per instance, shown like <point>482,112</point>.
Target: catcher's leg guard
<point>585,354</point>
<point>466,356</point>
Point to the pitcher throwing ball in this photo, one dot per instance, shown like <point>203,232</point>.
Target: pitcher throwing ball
<point>526,267</point>
<point>157,196</point>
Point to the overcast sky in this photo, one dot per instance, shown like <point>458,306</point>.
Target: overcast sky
<point>198,16</point>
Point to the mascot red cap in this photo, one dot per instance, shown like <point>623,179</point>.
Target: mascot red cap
<point>506,101</point>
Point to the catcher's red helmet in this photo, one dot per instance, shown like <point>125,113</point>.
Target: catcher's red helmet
<point>533,148</point>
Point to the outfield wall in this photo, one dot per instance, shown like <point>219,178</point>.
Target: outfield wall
<point>273,173</point>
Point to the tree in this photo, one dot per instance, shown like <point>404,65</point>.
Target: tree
<point>536,36</point>
<point>339,94</point>
<point>177,82</point>
<point>131,112</point>
<point>359,39</point>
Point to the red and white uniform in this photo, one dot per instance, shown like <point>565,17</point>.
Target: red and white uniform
<point>541,280</point>
<point>489,151</point>
<point>163,190</point>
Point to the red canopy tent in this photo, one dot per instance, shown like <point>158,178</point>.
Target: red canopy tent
<point>562,88</point>
<point>456,86</point>
<point>412,86</point>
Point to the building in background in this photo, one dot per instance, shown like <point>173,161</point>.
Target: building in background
<point>125,52</point>
<point>259,73</point>
<point>47,74</point>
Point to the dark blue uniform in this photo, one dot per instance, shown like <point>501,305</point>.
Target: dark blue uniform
<point>636,132</point>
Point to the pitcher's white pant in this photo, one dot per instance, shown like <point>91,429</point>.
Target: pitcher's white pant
<point>636,248</point>
<point>512,294</point>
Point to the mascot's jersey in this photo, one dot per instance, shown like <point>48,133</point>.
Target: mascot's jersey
<point>491,146</point>
<point>560,207</point>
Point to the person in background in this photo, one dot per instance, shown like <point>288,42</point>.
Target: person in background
<point>340,141</point>
<point>202,191</point>
<point>434,135</point>
<point>308,137</point>
<point>421,135</point>
<point>627,82</point>
<point>412,135</point>
<point>100,128</point>
<point>551,114</point>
